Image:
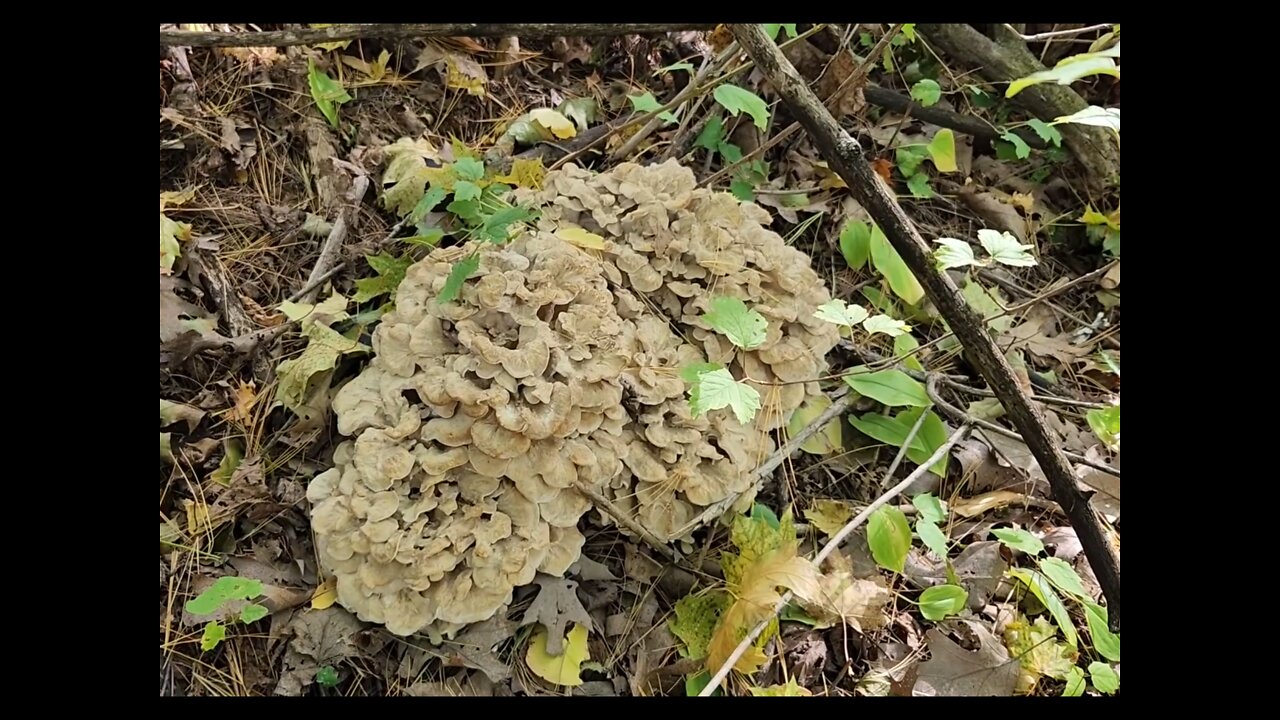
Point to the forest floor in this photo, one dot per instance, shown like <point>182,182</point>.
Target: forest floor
<point>972,582</point>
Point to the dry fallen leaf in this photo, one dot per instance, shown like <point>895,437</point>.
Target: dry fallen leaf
<point>970,507</point>
<point>755,596</point>
<point>464,73</point>
<point>325,595</point>
<point>555,607</point>
<point>953,671</point>
<point>829,516</point>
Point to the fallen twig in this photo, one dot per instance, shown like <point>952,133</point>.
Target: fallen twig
<point>1061,33</point>
<point>838,539</point>
<point>390,31</point>
<point>967,124</point>
<point>844,156</point>
<point>623,518</point>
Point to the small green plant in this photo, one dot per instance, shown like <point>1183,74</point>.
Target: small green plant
<point>860,243</point>
<point>1001,247</point>
<point>327,677</point>
<point>1103,229</point>
<point>711,385</point>
<point>941,150</point>
<point>328,93</point>
<point>225,590</point>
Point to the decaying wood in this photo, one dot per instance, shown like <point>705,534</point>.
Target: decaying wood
<point>845,157</point>
<point>310,36</point>
<point>967,124</point>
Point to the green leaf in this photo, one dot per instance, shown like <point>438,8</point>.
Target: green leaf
<point>926,92</point>
<point>1104,677</point>
<point>1047,132</point>
<point>458,274</point>
<point>903,347</point>
<point>1021,149</point>
<point>1105,642</point>
<point>739,100</point>
<point>1093,115</point>
<point>855,243</point>
<point>732,153</point>
<point>252,613</point>
<point>890,387</point>
<point>1075,683</point>
<point>1105,424</point>
<point>1061,574</point>
<point>648,103</point>
<point>430,199</point>
<point>496,227</point>
<point>391,271</point>
<point>893,431</point>
<point>686,66</point>
<point>894,270</point>
<point>468,210</point>
<point>696,683</point>
<point>1040,587</point>
<point>214,633</point>
<point>942,150</point>
<point>1067,71</point>
<point>743,190</point>
<point>468,168</point>
<point>1005,249</point>
<point>940,601</point>
<point>930,507</point>
<point>1019,539</point>
<point>224,590</point>
<point>987,304</point>
<point>466,190</point>
<point>691,373</point>
<point>717,389</point>
<point>889,538</point>
<point>763,513</point>
<point>695,621</point>
<point>910,158</point>
<point>712,135</point>
<point>841,313</point>
<point>731,317</point>
<point>772,30</point>
<point>324,348</point>
<point>954,254</point>
<point>885,325</point>
<point>327,93</point>
<point>932,537</point>
<point>919,186</point>
<point>909,31</point>
<point>327,676</point>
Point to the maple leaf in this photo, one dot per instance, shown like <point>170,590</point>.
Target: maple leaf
<point>755,594</point>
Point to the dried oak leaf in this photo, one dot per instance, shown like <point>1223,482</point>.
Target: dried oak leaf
<point>956,672</point>
<point>556,606</point>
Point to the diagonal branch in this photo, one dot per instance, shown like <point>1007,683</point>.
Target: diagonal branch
<point>845,156</point>
<point>393,31</point>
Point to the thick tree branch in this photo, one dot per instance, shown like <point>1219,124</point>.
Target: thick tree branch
<point>966,124</point>
<point>845,157</point>
<point>310,36</point>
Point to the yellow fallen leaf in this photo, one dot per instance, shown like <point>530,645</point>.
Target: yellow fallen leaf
<point>197,517</point>
<point>172,198</point>
<point>245,398</point>
<point>335,45</point>
<point>561,669</point>
<point>525,173</point>
<point>325,595</point>
<point>558,124</point>
<point>826,440</point>
<point>791,689</point>
<point>969,507</point>
<point>829,516</point>
<point>755,595</point>
<point>581,238</point>
<point>464,73</point>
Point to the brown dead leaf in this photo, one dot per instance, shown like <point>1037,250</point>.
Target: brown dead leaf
<point>953,671</point>
<point>1105,486</point>
<point>320,638</point>
<point>720,38</point>
<point>470,684</point>
<point>1111,281</point>
<point>464,73</point>
<point>997,213</point>
<point>181,320</point>
<point>979,567</point>
<point>840,597</point>
<point>883,168</point>
<point>974,506</point>
<point>173,412</point>
<point>556,606</point>
<point>842,67</point>
<point>474,647</point>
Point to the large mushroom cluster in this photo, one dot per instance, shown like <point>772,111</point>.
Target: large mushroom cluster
<point>558,368</point>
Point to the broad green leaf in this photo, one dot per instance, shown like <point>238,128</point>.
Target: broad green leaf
<point>583,111</point>
<point>827,440</point>
<point>391,271</point>
<point>327,92</point>
<point>224,590</point>
<point>468,210</point>
<point>252,613</point>
<point>717,389</point>
<point>1040,586</point>
<point>712,135</point>
<point>1061,574</point>
<point>1047,132</point>
<point>496,227</point>
<point>890,387</point>
<point>894,270</point>
<point>926,92</point>
<point>731,317</point>
<point>940,601</point>
<point>466,190</point>
<point>468,168</point>
<point>932,537</point>
<point>942,149</point>
<point>458,274</point>
<point>327,676</point>
<point>910,158</point>
<point>909,31</point>
<point>855,243</point>
<point>647,103</point>
<point>893,431</point>
<point>1019,539</point>
<point>762,513</point>
<point>743,190</point>
<point>987,304</point>
<point>1005,249</point>
<point>1105,424</point>
<point>954,254</point>
<point>919,186</point>
<point>686,66</point>
<point>904,344</point>
<point>214,633</point>
<point>430,199</point>
<point>889,537</point>
<point>885,325</point>
<point>1104,677</point>
<point>1021,149</point>
<point>739,100</point>
<point>1067,71</point>
<point>772,30</point>
<point>1075,683</point>
<point>841,313</point>
<point>732,153</point>
<point>558,124</point>
<point>560,669</point>
<point>930,507</point>
<point>1105,642</point>
<point>696,683</point>
<point>691,373</point>
<point>1093,115</point>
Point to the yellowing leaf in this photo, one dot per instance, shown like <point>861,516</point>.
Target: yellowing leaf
<point>320,355</point>
<point>824,441</point>
<point>464,73</point>
<point>525,173</point>
<point>245,399</point>
<point>581,238</point>
<point>559,125</point>
<point>857,602</point>
<point>791,689</point>
<point>829,516</point>
<point>325,595</point>
<point>756,594</point>
<point>971,507</point>
<point>559,669</point>
<point>942,149</point>
<point>171,198</point>
<point>335,45</point>
<point>171,232</point>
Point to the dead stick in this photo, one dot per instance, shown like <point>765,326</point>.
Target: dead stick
<point>624,519</point>
<point>338,235</point>
<point>844,155</point>
<point>310,36</point>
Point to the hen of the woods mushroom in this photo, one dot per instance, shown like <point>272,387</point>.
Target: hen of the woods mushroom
<point>558,366</point>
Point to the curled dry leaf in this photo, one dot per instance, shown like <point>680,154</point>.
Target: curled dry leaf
<point>954,671</point>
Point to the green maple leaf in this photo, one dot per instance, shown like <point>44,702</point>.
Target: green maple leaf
<point>744,327</point>
<point>458,274</point>
<point>1005,249</point>
<point>717,389</point>
<point>390,271</point>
